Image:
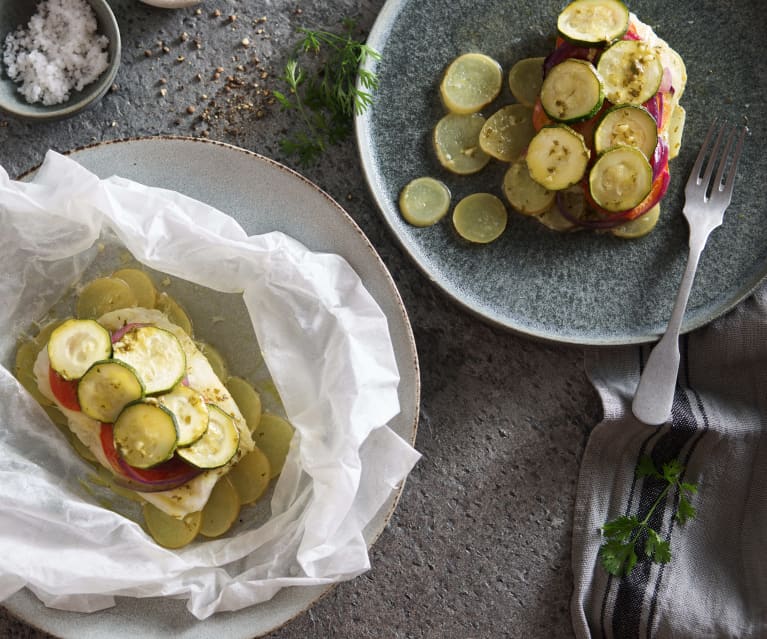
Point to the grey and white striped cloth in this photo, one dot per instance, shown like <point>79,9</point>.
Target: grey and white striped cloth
<point>716,582</point>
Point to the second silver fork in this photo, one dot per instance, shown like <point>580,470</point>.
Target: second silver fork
<point>707,194</point>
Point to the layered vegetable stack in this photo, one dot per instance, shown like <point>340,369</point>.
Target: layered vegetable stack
<point>607,117</point>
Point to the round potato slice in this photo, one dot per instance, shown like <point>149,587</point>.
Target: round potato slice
<point>273,437</point>
<point>480,218</point>
<point>251,476</point>
<point>102,295</point>
<point>247,399</point>
<point>638,227</point>
<point>26,355</point>
<point>215,359</point>
<point>456,142</point>
<point>525,79</point>
<point>506,133</point>
<point>174,312</point>
<point>424,201</point>
<point>141,284</point>
<point>169,531</point>
<point>221,510</point>
<point>554,220</point>
<point>523,192</point>
<point>471,81</point>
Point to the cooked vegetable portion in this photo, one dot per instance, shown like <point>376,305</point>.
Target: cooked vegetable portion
<point>471,82</point>
<point>106,388</point>
<point>217,446</point>
<point>506,133</point>
<point>557,157</point>
<point>155,354</point>
<point>593,22</point>
<point>102,295</point>
<point>620,179</point>
<point>480,218</point>
<point>632,72</point>
<point>168,531</point>
<point>456,142</point>
<point>145,434</point>
<point>222,509</point>
<point>250,476</point>
<point>424,201</point>
<point>525,79</point>
<point>628,125</point>
<point>572,91</point>
<point>273,437</point>
<point>76,345</point>
<point>523,192</point>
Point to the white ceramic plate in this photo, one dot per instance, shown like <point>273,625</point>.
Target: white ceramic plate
<point>262,196</point>
<point>577,288</point>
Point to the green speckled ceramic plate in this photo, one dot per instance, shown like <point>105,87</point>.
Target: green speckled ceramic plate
<point>262,196</point>
<point>575,288</point>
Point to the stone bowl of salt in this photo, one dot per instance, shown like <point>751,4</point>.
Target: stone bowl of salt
<point>57,57</point>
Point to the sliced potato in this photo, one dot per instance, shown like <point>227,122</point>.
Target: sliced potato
<point>169,531</point>
<point>141,284</point>
<point>42,337</point>
<point>640,226</point>
<point>480,218</point>
<point>273,437</point>
<point>174,312</point>
<point>247,399</point>
<point>675,130</point>
<point>456,142</point>
<point>424,201</point>
<point>523,192</point>
<point>471,81</point>
<point>215,359</point>
<point>26,355</point>
<point>251,476</point>
<point>221,510</point>
<point>525,79</point>
<point>506,133</point>
<point>102,295</point>
<point>554,220</point>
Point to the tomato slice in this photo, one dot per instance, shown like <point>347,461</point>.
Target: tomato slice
<point>64,390</point>
<point>166,476</point>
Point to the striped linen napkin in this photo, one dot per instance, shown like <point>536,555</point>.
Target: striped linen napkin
<point>715,584</point>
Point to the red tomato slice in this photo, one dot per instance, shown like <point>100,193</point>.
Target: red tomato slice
<point>166,476</point>
<point>64,390</point>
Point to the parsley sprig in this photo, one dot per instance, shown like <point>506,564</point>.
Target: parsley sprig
<point>627,535</point>
<point>324,95</point>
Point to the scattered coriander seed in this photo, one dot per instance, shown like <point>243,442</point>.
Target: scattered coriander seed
<point>216,13</point>
<point>180,58</point>
<point>198,77</point>
<point>163,81</point>
<point>191,109</point>
<point>232,18</point>
<point>163,92</point>
<point>147,53</point>
<point>219,69</point>
<point>198,11</point>
<point>245,42</point>
<point>166,49</point>
<point>184,36</point>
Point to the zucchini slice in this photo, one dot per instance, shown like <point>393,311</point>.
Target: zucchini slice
<point>620,178</point>
<point>155,354</point>
<point>76,345</point>
<point>145,434</point>
<point>572,91</point>
<point>106,388</point>
<point>593,22</point>
<point>557,157</point>
<point>631,70</point>
<point>217,446</point>
<point>629,125</point>
<point>191,413</point>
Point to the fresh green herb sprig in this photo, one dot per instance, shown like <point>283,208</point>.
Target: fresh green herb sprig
<point>618,552</point>
<point>324,94</point>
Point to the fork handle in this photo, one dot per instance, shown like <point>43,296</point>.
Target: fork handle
<point>655,392</point>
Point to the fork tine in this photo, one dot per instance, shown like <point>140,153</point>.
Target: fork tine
<point>713,157</point>
<point>718,182</point>
<point>697,168</point>
<point>727,187</point>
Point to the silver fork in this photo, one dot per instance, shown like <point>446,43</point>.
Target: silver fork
<point>705,202</point>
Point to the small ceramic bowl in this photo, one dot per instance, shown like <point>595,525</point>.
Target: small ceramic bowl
<point>16,13</point>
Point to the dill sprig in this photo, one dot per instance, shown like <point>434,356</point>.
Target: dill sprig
<point>325,95</point>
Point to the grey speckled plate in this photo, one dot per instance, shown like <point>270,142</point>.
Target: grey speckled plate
<point>576,288</point>
<point>262,196</point>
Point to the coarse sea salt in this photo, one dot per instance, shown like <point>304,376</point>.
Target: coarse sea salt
<point>59,51</point>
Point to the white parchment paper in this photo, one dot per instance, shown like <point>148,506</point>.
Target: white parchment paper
<point>327,347</point>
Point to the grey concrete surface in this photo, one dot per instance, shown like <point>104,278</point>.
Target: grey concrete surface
<point>479,546</point>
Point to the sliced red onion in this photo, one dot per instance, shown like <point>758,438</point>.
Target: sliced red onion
<point>665,84</point>
<point>167,476</point>
<point>659,160</point>
<point>120,332</point>
<point>565,51</point>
